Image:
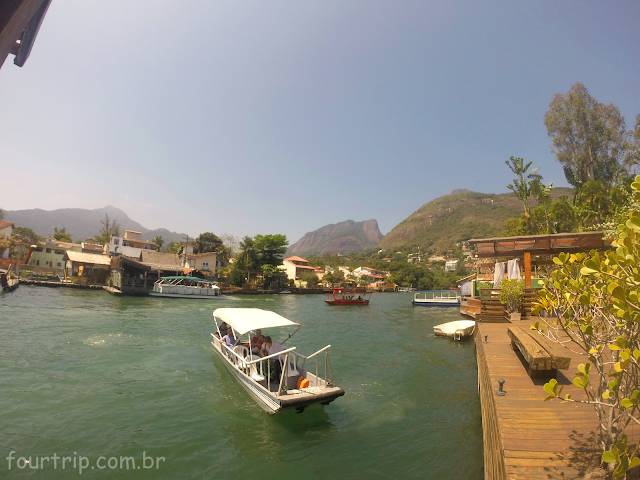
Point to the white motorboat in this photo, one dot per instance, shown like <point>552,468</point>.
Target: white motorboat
<point>305,380</point>
<point>437,298</point>
<point>458,329</point>
<point>185,287</point>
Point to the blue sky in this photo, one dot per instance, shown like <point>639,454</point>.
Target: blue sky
<point>281,117</point>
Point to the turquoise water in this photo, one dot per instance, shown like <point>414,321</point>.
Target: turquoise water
<point>86,374</point>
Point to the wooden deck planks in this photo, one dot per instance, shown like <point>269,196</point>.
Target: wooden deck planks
<point>537,439</point>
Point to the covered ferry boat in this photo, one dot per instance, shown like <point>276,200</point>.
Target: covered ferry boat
<point>349,296</point>
<point>185,287</point>
<point>437,298</point>
<point>303,380</point>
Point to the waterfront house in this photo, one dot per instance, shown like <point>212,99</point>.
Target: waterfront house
<point>50,253</point>
<point>208,263</point>
<point>93,268</point>
<point>6,230</point>
<point>295,267</point>
<point>129,276</point>
<point>370,274</point>
<point>163,264</point>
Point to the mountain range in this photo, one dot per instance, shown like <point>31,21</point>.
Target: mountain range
<point>344,238</point>
<point>435,226</point>
<point>82,223</point>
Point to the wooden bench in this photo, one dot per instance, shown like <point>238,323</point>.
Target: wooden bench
<point>543,357</point>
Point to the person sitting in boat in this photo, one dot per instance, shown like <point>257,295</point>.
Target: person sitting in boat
<point>270,347</point>
<point>230,338</point>
<point>256,342</point>
<point>223,329</point>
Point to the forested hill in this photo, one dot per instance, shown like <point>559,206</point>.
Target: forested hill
<point>455,217</point>
<point>344,237</point>
<point>82,223</point>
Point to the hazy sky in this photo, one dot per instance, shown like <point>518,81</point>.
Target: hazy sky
<point>249,117</point>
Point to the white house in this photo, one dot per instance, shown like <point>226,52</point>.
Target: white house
<point>131,245</point>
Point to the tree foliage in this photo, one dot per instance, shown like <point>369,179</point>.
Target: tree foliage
<point>175,247</point>
<point>207,242</point>
<point>311,279</point>
<point>63,236</point>
<point>26,236</point>
<point>595,300</point>
<point>158,241</point>
<point>588,137</point>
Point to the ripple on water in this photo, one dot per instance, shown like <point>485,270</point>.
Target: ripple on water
<point>100,375</point>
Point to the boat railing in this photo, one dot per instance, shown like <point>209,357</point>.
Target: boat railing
<point>328,372</point>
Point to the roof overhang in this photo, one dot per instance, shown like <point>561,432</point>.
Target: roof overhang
<point>539,244</point>
<point>244,320</point>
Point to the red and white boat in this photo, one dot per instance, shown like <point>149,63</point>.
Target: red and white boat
<point>349,296</point>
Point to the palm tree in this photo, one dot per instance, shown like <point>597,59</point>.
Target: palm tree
<point>247,254</point>
<point>522,185</point>
<point>158,242</point>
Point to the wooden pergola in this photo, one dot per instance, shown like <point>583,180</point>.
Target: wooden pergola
<point>527,245</point>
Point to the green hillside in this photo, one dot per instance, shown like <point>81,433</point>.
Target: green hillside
<point>452,218</point>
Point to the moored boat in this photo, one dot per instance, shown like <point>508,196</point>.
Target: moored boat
<point>458,329</point>
<point>349,296</point>
<point>272,385</point>
<point>437,298</point>
<point>185,287</point>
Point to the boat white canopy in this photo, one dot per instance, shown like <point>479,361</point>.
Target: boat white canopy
<point>244,320</point>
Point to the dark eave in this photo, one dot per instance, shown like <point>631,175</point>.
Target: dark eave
<point>20,22</point>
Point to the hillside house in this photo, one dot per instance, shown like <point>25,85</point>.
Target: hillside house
<point>451,265</point>
<point>295,267</point>
<point>131,245</point>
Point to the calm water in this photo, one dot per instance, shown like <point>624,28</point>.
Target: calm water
<point>84,373</point>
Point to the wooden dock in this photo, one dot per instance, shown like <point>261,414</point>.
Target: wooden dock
<point>524,436</point>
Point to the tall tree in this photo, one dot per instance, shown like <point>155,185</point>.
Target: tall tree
<point>1,214</point>
<point>25,235</point>
<point>271,248</point>
<point>110,228</point>
<point>522,186</point>
<point>543,197</point>
<point>588,137</point>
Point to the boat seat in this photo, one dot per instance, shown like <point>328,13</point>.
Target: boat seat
<point>253,371</point>
<point>242,351</point>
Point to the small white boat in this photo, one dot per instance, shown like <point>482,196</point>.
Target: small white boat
<point>297,387</point>
<point>458,329</point>
<point>437,298</point>
<point>286,291</point>
<point>185,287</point>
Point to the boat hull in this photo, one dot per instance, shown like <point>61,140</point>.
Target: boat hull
<point>180,295</point>
<point>346,302</point>
<point>458,329</point>
<point>424,303</point>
